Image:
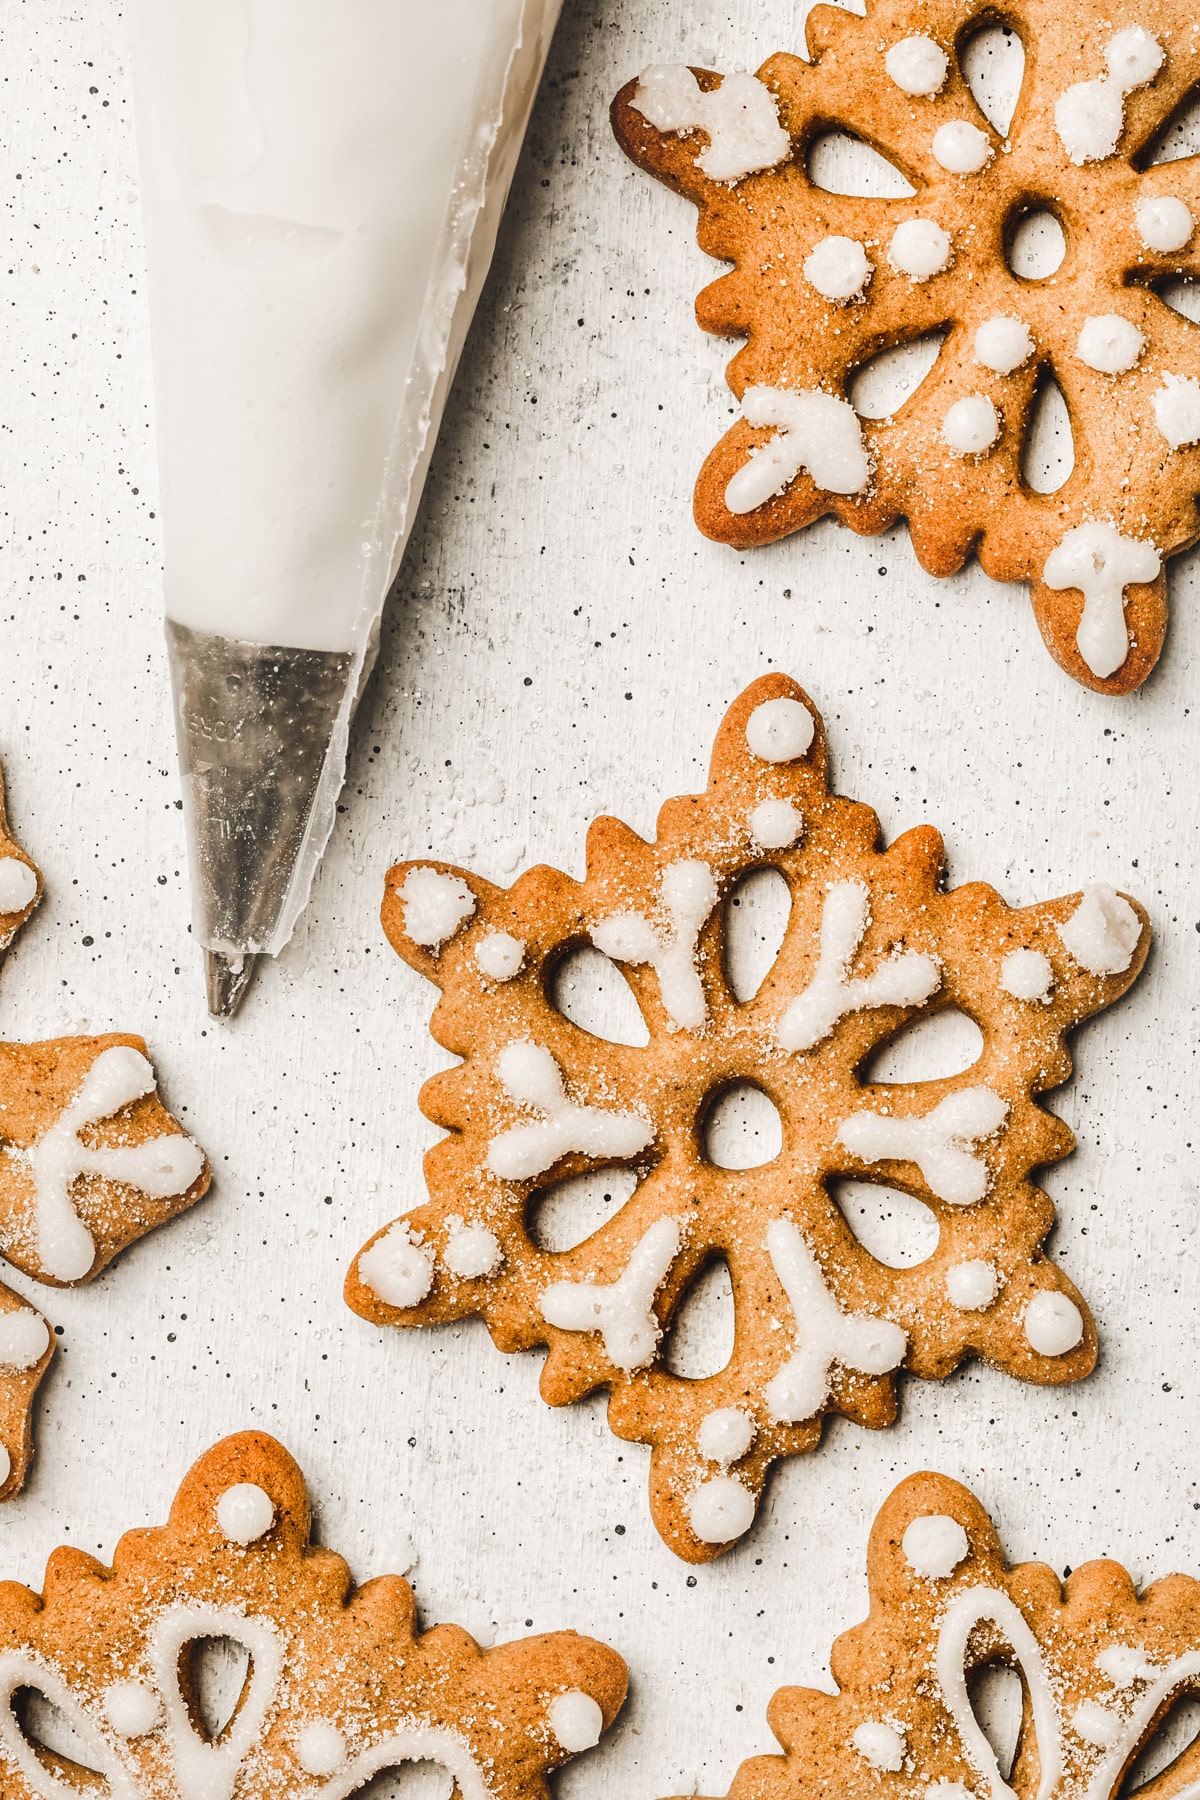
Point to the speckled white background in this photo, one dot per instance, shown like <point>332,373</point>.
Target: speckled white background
<point>562,642</point>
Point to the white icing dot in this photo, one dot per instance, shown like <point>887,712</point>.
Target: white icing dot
<point>934,1546</point>
<point>245,1513</point>
<point>1177,410</point>
<point>1053,1323</point>
<point>18,885</point>
<point>971,425</point>
<point>1003,344</point>
<point>1027,975</point>
<point>1164,223</point>
<point>1088,118</point>
<point>576,1720</point>
<point>1124,1664</point>
<point>435,905</point>
<point>919,248</point>
<point>779,730</point>
<point>720,1510</point>
<point>948,1790</point>
<point>320,1748</point>
<point>740,116</point>
<point>1097,560</point>
<point>132,1709</point>
<point>918,66</point>
<point>972,1286</point>
<point>1109,343</point>
<point>961,148</point>
<point>879,1744</point>
<point>839,268</point>
<point>776,824</point>
<point>1133,58</point>
<point>24,1336</point>
<point>5,1465</point>
<point>815,431</point>
<point>726,1434</point>
<point>397,1268</point>
<point>472,1251</point>
<point>500,955</point>
<point>1096,1724</point>
<point>1102,933</point>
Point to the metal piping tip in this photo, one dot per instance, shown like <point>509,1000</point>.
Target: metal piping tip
<point>262,747</point>
<point>227,978</point>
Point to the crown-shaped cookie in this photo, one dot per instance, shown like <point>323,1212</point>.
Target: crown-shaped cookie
<point>1100,1665</point>
<point>340,1683</point>
<point>823,282</point>
<point>90,1160</point>
<point>872,943</point>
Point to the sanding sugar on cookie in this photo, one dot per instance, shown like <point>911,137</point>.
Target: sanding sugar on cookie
<point>90,1161</point>
<point>873,942</point>
<point>1101,1666</point>
<point>340,1686</point>
<point>824,282</point>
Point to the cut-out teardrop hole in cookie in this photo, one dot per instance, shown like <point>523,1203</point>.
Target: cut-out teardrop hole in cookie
<point>944,1043</point>
<point>1048,454</point>
<point>563,1215</point>
<point>997,1696</point>
<point>45,1727</point>
<point>1181,295</point>
<point>1035,244</point>
<point>218,1672</point>
<point>1180,136</point>
<point>588,988</point>
<point>409,1781</point>
<point>699,1342</point>
<point>843,164</point>
<point>756,920</point>
<point>895,1228</point>
<point>741,1128</point>
<point>879,388</point>
<point>1177,1732</point>
<point>993,64</point>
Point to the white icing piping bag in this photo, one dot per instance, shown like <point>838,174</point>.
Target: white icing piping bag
<point>322,185</point>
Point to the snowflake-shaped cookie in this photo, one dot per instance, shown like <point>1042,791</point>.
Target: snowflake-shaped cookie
<point>872,943</point>
<point>90,1160</point>
<point>823,282</point>
<point>1101,1668</point>
<point>340,1684</point>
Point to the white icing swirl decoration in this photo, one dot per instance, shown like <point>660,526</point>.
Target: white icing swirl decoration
<point>814,430</point>
<point>532,1078</point>
<point>740,117</point>
<point>161,1167</point>
<point>689,893</point>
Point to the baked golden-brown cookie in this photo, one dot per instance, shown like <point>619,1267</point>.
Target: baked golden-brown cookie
<point>873,942</point>
<point>90,1160</point>
<point>823,282</point>
<point>340,1684</point>
<point>1101,1667</point>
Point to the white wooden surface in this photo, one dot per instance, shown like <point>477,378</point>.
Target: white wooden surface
<point>563,642</point>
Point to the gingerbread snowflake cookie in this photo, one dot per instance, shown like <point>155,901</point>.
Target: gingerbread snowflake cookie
<point>1101,1667</point>
<point>340,1684</point>
<point>90,1160</point>
<point>872,943</point>
<point>823,282</point>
